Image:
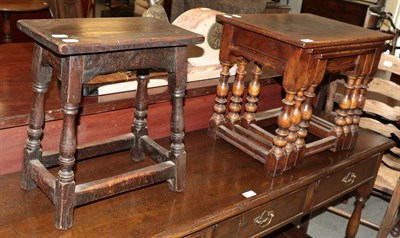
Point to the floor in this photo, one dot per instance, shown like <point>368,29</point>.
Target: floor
<point>330,225</point>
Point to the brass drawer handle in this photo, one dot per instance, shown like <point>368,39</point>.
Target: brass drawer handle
<point>264,219</point>
<point>349,179</point>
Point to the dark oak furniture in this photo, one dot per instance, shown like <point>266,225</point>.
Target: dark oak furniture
<point>301,47</point>
<point>113,111</point>
<point>350,11</point>
<point>9,6</point>
<point>77,56</point>
<point>212,204</point>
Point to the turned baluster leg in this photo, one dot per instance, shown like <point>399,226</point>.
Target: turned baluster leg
<point>306,114</point>
<point>64,195</point>
<point>252,98</point>
<point>220,101</point>
<point>354,222</point>
<point>275,162</point>
<point>361,86</point>
<point>177,85</point>
<point>236,99</point>
<point>41,76</point>
<point>295,117</point>
<point>355,112</point>
<point>342,119</point>
<point>139,127</point>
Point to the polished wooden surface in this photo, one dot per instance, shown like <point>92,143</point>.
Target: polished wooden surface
<point>9,6</point>
<point>305,30</point>
<point>22,5</point>
<point>217,175</point>
<point>89,36</point>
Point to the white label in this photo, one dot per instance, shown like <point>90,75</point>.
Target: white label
<point>237,16</point>
<point>70,40</point>
<point>249,194</point>
<point>388,63</point>
<point>59,36</point>
<point>307,40</point>
<point>228,16</point>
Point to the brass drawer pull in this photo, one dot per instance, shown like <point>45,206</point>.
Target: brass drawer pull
<point>264,219</point>
<point>349,179</point>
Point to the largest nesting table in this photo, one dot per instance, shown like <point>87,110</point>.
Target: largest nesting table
<point>302,47</point>
<point>77,50</point>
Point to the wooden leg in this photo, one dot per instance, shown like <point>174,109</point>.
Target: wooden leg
<point>177,86</point>
<point>395,232</point>
<point>139,127</point>
<point>64,195</point>
<point>295,117</point>
<point>6,27</point>
<point>65,184</point>
<point>220,101</point>
<point>392,211</point>
<point>41,76</point>
<point>236,99</point>
<point>343,119</point>
<point>252,98</point>
<point>354,221</point>
<point>276,161</point>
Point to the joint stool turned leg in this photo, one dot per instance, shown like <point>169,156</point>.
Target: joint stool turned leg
<point>65,184</point>
<point>177,153</point>
<point>220,101</point>
<point>64,194</point>
<point>177,86</point>
<point>41,76</point>
<point>139,127</point>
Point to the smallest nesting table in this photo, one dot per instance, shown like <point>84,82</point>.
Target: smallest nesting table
<point>78,50</point>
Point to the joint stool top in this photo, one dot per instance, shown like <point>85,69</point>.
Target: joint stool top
<point>95,35</point>
<point>304,30</point>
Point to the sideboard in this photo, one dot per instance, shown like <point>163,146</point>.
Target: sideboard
<point>212,205</point>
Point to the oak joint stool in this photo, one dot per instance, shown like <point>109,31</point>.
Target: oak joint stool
<point>81,49</point>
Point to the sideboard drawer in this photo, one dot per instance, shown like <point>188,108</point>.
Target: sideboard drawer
<point>334,185</point>
<point>263,217</point>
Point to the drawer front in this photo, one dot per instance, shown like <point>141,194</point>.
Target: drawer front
<point>345,180</point>
<point>205,233</point>
<point>264,217</point>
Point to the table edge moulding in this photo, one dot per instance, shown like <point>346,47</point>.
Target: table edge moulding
<point>212,204</point>
<point>78,50</point>
<point>303,48</point>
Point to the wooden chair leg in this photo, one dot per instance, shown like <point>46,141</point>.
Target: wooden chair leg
<point>392,211</point>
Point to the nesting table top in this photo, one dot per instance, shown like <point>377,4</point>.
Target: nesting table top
<point>95,35</point>
<point>303,30</point>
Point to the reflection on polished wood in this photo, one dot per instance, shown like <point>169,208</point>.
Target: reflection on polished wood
<point>212,203</point>
<point>302,47</point>
<point>9,6</point>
